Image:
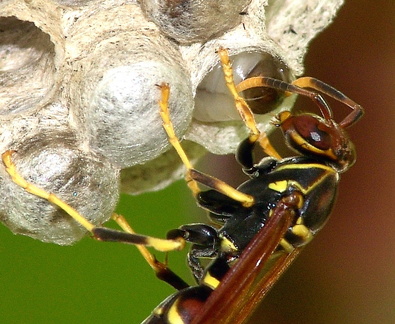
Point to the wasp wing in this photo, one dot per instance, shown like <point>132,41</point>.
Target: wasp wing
<point>248,281</point>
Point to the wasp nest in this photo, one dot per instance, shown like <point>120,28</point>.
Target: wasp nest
<point>79,95</point>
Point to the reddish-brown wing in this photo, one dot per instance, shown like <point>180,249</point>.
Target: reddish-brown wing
<point>249,280</point>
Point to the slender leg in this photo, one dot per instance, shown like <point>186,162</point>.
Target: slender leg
<point>100,233</point>
<point>106,234</point>
<point>169,128</point>
<point>288,88</point>
<point>358,111</point>
<point>298,86</point>
<point>161,269</point>
<point>244,110</point>
<point>192,175</point>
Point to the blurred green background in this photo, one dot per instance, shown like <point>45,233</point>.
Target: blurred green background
<point>345,276</point>
<point>91,282</point>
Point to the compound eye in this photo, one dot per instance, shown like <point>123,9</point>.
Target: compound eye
<point>313,131</point>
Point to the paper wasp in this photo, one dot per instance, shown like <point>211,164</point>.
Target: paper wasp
<point>266,220</point>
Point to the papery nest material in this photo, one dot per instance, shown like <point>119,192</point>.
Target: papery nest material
<point>80,77</point>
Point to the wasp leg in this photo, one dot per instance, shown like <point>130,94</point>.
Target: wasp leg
<point>245,155</point>
<point>206,244</point>
<point>244,110</point>
<point>172,137</point>
<point>100,233</point>
<point>256,82</point>
<point>298,86</point>
<point>162,271</point>
<point>358,111</point>
<point>192,175</point>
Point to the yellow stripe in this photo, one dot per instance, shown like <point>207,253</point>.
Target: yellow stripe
<point>303,232</point>
<point>306,166</point>
<point>211,281</point>
<point>227,245</point>
<point>296,184</point>
<point>288,247</point>
<point>279,186</point>
<point>301,141</point>
<point>173,314</point>
<point>158,311</point>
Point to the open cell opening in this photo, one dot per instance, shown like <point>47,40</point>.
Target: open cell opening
<point>26,65</point>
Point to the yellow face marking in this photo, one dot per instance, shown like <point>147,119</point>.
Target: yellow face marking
<point>210,281</point>
<point>303,143</point>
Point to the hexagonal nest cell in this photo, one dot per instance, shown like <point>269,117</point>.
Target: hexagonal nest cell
<point>79,82</point>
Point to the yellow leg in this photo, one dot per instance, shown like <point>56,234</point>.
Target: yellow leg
<point>244,110</point>
<point>17,178</point>
<point>350,119</point>
<point>300,86</point>
<point>161,269</point>
<point>121,221</point>
<point>168,126</point>
<point>192,175</point>
<point>147,255</point>
<point>111,235</point>
<point>222,187</point>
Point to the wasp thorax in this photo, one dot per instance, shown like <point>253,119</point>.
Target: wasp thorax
<point>213,99</point>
